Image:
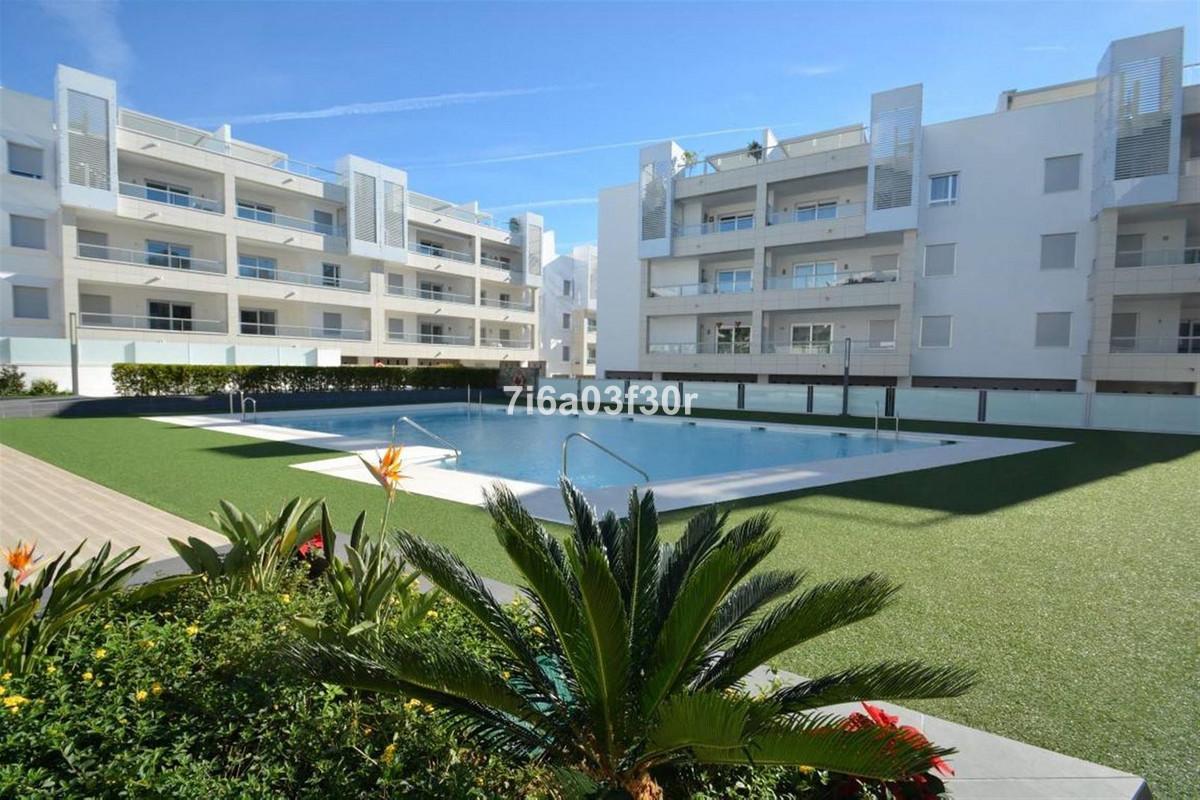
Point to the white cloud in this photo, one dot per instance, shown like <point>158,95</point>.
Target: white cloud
<point>812,70</point>
<point>566,201</point>
<point>93,23</point>
<point>399,105</point>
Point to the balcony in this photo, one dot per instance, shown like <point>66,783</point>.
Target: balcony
<point>810,144</point>
<point>130,322</point>
<point>441,252</point>
<point>497,263</point>
<point>699,348</point>
<point>171,198</point>
<point>294,223</point>
<point>821,212</point>
<point>303,332</point>
<point>825,281</point>
<point>147,259</point>
<point>266,273</point>
<point>515,305</point>
<point>426,294</point>
<point>509,344</point>
<point>828,348</point>
<point>432,338</point>
<point>698,289</point>
<point>1157,258</point>
<point>745,223</point>
<point>1162,345</point>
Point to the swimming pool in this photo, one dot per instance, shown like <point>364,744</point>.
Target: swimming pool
<point>528,446</point>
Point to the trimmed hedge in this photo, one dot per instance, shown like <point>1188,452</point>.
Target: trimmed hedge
<point>142,380</point>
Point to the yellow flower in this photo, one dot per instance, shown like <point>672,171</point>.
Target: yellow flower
<point>6,676</point>
<point>389,753</point>
<point>108,626</point>
<point>431,614</point>
<point>2,690</point>
<point>506,674</point>
<point>428,708</point>
<point>192,630</point>
<point>100,654</point>
<point>21,561</point>
<point>285,598</point>
<point>99,683</point>
<point>413,703</point>
<point>156,689</point>
<point>140,695</point>
<point>87,676</point>
<point>387,470</point>
<point>50,670</point>
<point>805,770</point>
<point>147,644</point>
<point>15,701</point>
<point>537,631</point>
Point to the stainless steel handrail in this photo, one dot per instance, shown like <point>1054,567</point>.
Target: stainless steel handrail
<point>253,405</point>
<point>427,432</point>
<point>593,442</point>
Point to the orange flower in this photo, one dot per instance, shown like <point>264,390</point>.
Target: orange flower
<point>387,471</point>
<point>20,560</point>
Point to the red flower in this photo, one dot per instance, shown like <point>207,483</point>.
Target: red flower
<point>877,717</point>
<point>315,541</point>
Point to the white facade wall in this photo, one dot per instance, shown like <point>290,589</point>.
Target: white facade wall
<point>618,312</point>
<point>576,307</point>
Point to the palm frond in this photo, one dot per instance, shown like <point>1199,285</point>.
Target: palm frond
<point>889,680</point>
<point>750,597</point>
<point>822,608</point>
<point>705,719</point>
<point>584,528</point>
<point>640,538</point>
<point>700,536</point>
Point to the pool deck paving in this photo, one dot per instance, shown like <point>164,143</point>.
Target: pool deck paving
<point>44,504</point>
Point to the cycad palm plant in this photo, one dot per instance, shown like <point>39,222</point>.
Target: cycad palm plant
<point>639,650</point>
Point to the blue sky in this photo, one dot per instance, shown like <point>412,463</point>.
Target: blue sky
<point>540,105</point>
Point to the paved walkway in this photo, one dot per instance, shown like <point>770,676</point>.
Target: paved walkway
<point>56,509</point>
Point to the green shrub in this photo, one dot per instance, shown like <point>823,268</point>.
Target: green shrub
<point>43,386</point>
<point>12,380</point>
<point>139,380</point>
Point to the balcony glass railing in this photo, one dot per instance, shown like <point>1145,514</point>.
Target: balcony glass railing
<point>303,332</point>
<point>517,305</point>
<point>788,148</point>
<point>295,223</point>
<point>696,289</point>
<point>1163,345</point>
<point>259,273</point>
<point>440,252</point>
<point>815,213</point>
<point>432,338</point>
<point>720,226</point>
<point>89,319</point>
<point>1157,258</point>
<point>512,344</point>
<point>427,294</point>
<point>857,346</point>
<point>700,348</point>
<point>496,263</point>
<point>171,198</point>
<point>146,259</point>
<point>842,278</point>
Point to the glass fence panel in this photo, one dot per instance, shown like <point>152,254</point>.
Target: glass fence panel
<point>949,405</point>
<point>827,399</point>
<point>711,395</point>
<point>790,398</point>
<point>1145,412</point>
<point>561,386</point>
<point>1059,409</point>
<point>867,401</point>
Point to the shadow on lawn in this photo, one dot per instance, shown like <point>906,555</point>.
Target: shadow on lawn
<point>979,487</point>
<point>261,449</point>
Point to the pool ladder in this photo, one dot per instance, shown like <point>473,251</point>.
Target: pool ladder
<point>427,432</point>
<point>645,475</point>
<point>896,418</point>
<point>253,406</point>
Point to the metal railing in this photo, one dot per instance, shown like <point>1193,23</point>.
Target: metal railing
<point>815,214</point>
<point>427,294</point>
<point>719,226</point>
<point>517,305</point>
<point>432,338</point>
<point>171,198</point>
<point>1157,258</point>
<point>440,252</point>
<point>1183,345</point>
<point>302,278</point>
<point>696,289</point>
<point>143,258</point>
<point>700,348</point>
<point>193,137</point>
<point>841,278</point>
<point>253,404</point>
<point>857,347</point>
<point>427,432</point>
<point>90,319</point>
<point>295,223</point>
<point>303,332</point>
<point>513,344</point>
<point>577,435</point>
<point>496,263</point>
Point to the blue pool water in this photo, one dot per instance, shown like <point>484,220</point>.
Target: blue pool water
<point>528,447</point>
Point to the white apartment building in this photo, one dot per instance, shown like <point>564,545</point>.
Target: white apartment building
<point>147,240</point>
<point>1052,244</point>
<point>568,318</point>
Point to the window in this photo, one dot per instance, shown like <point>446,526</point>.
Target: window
<point>166,316</point>
<point>943,189</point>
<point>258,322</point>
<point>27,232</point>
<point>1053,329</point>
<point>814,275</point>
<point>430,290</point>
<point>811,338</point>
<point>940,260</point>
<point>256,267</point>
<point>1123,337</point>
<point>566,288</point>
<point>25,161</point>
<point>807,212</point>
<point>161,192</point>
<point>566,320</point>
<point>331,322</point>
<point>1058,251</point>
<point>1061,174</point>
<point>168,254</point>
<point>431,333</point>
<point>395,282</point>
<point>323,222</point>
<point>31,302</point>
<point>1129,249</point>
<point>95,309</point>
<point>92,244</point>
<point>566,352</point>
<point>735,222</point>
<point>256,211</point>
<point>734,281</point>
<point>430,248</point>
<point>881,334</point>
<point>331,274</point>
<point>395,328</point>
<point>733,338</point>
<point>936,331</point>
<point>505,299</point>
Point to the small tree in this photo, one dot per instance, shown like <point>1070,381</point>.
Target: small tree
<point>755,150</point>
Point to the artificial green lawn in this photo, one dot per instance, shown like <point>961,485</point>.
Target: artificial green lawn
<point>1067,577</point>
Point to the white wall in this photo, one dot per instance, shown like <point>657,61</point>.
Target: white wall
<point>618,294</point>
